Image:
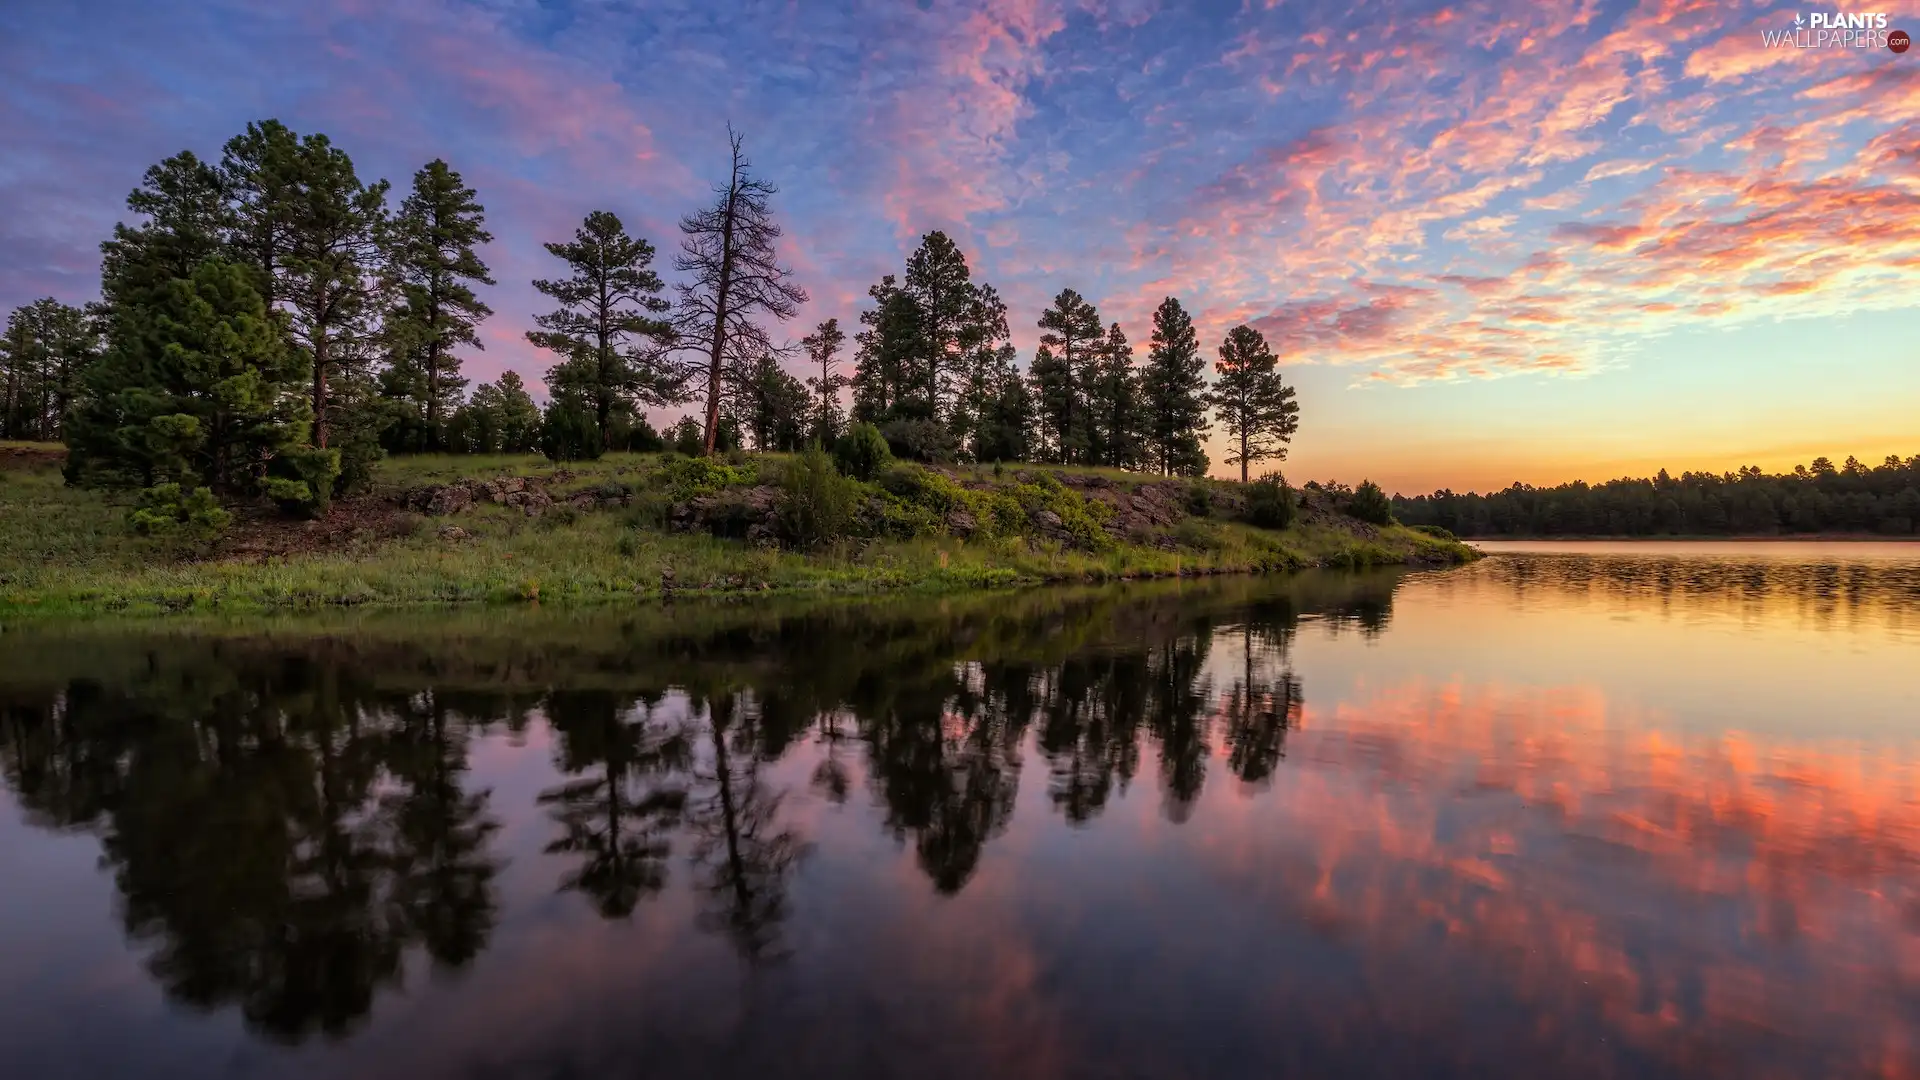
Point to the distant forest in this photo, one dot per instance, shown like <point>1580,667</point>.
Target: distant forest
<point>1815,498</point>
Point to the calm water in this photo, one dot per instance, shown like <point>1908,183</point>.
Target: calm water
<point>1550,815</point>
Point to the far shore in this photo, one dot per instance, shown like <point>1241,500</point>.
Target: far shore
<point>1802,538</point>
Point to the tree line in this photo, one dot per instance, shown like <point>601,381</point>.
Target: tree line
<point>1820,497</point>
<point>269,325</point>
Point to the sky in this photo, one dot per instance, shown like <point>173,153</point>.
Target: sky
<point>1491,240</point>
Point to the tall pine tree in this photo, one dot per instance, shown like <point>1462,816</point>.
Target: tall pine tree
<point>613,348</point>
<point>1173,390</point>
<point>1071,329</point>
<point>823,352</point>
<point>43,353</point>
<point>434,268</point>
<point>1113,404</point>
<point>890,345</point>
<point>1254,404</point>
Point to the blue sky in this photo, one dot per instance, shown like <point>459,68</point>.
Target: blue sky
<point>1491,240</point>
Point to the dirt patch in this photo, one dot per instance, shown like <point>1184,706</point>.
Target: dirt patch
<point>25,458</point>
<point>261,532</point>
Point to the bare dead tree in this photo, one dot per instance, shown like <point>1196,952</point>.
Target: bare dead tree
<point>727,255</point>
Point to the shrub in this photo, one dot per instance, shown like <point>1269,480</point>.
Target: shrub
<point>1436,532</point>
<point>170,512</point>
<point>862,452</point>
<point>816,502</point>
<point>1198,535</point>
<point>567,433</point>
<point>1369,503</point>
<point>302,482</point>
<point>690,477</point>
<point>921,440</point>
<point>1200,498</point>
<point>1269,503</point>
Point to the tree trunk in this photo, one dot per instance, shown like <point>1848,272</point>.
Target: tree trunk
<point>719,329</point>
<point>320,389</point>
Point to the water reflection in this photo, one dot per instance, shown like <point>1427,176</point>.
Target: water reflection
<point>1423,869</point>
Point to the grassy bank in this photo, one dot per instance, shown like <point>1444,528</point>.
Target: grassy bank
<point>631,526</point>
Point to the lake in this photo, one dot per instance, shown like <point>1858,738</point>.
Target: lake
<point>1646,813</point>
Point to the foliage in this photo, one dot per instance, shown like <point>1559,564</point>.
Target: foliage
<point>1434,531</point>
<point>1370,504</point>
<point>188,515</point>
<point>1070,331</point>
<point>1819,497</point>
<point>1270,503</point>
<point>862,452</point>
<point>770,406</point>
<point>612,344</point>
<point>920,440</point>
<point>569,433</point>
<point>304,479</point>
<point>500,418</point>
<point>197,388</point>
<point>823,351</point>
<point>816,502</point>
<point>689,477</point>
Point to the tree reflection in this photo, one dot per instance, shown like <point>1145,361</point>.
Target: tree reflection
<point>743,852</point>
<point>617,816</point>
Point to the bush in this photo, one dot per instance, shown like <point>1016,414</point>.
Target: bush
<point>862,452</point>
<point>921,440</point>
<point>1269,503</point>
<point>816,502</point>
<point>303,481</point>
<point>690,477</point>
<point>1436,532</point>
<point>567,433</point>
<point>1369,503</point>
<point>170,512</point>
<point>1200,499</point>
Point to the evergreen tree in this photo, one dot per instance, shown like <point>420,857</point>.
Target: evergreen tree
<point>197,389</point>
<point>188,221</point>
<point>612,347</point>
<point>333,225</point>
<point>958,318</point>
<point>733,275</point>
<point>434,267</point>
<point>1006,420</point>
<point>1254,404</point>
<point>260,172</point>
<point>884,382</point>
<point>1113,398</point>
<point>1052,398</point>
<point>1173,390</point>
<point>823,351</point>
<point>1071,328</point>
<point>770,405</point>
<point>500,417</point>
<point>46,347</point>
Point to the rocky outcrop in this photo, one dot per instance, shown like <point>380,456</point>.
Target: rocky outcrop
<point>745,513</point>
<point>528,494</point>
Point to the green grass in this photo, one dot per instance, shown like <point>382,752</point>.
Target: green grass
<point>68,551</point>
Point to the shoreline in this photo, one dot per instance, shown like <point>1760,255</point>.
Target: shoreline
<point>468,532</point>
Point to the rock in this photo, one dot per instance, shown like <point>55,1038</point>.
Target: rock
<point>511,484</point>
<point>452,532</point>
<point>961,523</point>
<point>1049,520</point>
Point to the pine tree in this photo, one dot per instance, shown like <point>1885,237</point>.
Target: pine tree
<point>613,349</point>
<point>198,389</point>
<point>45,349</point>
<point>884,384</point>
<point>188,221</point>
<point>1255,406</point>
<point>435,266</point>
<point>260,172</point>
<point>1071,328</point>
<point>500,417</point>
<point>1174,394</point>
<point>727,251</point>
<point>333,227</point>
<point>1113,400</point>
<point>1052,399</point>
<point>1005,428</point>
<point>823,352</point>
